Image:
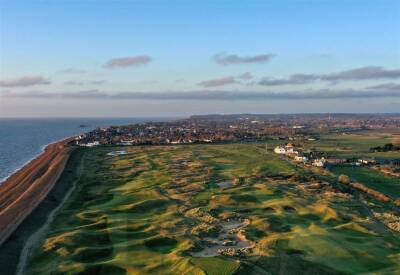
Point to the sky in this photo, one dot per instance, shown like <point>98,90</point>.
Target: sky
<point>88,58</point>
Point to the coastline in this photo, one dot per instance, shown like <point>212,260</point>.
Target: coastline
<point>42,149</point>
<point>25,189</point>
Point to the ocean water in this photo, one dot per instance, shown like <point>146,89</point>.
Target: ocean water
<point>23,139</point>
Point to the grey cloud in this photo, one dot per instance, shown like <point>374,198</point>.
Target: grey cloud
<point>245,76</point>
<point>386,86</point>
<point>25,81</point>
<point>81,83</point>
<point>370,72</point>
<point>71,71</point>
<point>125,62</point>
<point>224,59</point>
<point>364,73</point>
<point>218,82</point>
<point>277,82</point>
<point>214,95</point>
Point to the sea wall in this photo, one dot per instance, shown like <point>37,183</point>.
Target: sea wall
<point>22,192</point>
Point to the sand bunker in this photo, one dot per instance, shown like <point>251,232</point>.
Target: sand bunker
<point>224,184</point>
<point>231,240</point>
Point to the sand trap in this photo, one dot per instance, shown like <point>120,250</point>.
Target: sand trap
<point>224,184</point>
<point>231,240</point>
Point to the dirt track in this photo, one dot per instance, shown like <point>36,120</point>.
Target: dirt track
<point>23,191</point>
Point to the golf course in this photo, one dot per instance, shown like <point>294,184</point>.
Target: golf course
<point>209,209</point>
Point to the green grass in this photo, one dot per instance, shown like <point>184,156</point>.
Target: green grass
<point>145,212</point>
<point>216,266</point>
<point>353,145</point>
<point>374,179</point>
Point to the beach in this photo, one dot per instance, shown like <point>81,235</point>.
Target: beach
<point>23,191</point>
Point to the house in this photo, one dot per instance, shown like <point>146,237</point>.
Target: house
<point>125,142</point>
<point>289,148</point>
<point>89,144</point>
<point>300,158</point>
<point>280,150</point>
<point>319,162</point>
<point>365,161</point>
<point>333,160</point>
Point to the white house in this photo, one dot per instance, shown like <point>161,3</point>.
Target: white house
<point>319,162</point>
<point>90,144</point>
<point>280,150</point>
<point>125,142</point>
<point>289,148</point>
<point>301,158</point>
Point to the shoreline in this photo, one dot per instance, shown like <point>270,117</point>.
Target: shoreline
<point>25,189</point>
<point>42,149</point>
<point>12,249</point>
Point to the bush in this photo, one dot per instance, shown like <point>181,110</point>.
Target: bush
<point>344,179</point>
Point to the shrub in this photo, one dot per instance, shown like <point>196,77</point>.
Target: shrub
<point>344,179</point>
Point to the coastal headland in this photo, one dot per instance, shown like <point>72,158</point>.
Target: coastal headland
<point>22,192</point>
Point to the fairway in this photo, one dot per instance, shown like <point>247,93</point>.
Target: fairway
<point>209,209</point>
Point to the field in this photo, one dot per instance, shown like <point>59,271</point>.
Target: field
<point>373,179</point>
<point>210,209</point>
<point>355,144</point>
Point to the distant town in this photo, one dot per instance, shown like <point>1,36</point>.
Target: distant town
<point>234,128</point>
<point>287,132</point>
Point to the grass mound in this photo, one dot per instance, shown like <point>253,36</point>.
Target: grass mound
<point>161,244</point>
<point>93,254</point>
<point>147,206</point>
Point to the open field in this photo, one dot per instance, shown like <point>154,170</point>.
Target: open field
<point>210,209</point>
<point>376,180</point>
<point>355,144</point>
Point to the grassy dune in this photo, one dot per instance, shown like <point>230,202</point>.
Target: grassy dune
<point>158,209</point>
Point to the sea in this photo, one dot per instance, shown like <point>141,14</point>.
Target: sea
<point>23,139</point>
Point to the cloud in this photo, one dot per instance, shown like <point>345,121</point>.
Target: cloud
<point>364,73</point>
<point>125,62</point>
<point>245,76</point>
<point>25,81</point>
<point>370,72</point>
<point>277,82</point>
<point>386,86</point>
<point>218,82</point>
<point>214,95</point>
<point>71,71</point>
<point>224,59</point>
<point>81,83</point>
